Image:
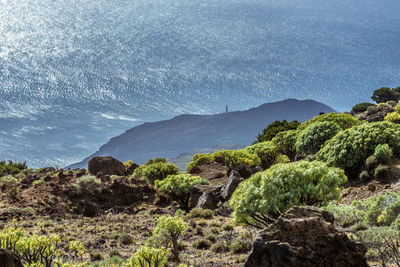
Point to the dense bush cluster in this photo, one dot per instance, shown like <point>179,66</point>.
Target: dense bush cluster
<point>276,127</point>
<point>375,222</point>
<point>230,158</point>
<point>11,167</point>
<point>34,250</point>
<point>178,187</point>
<point>349,149</point>
<point>262,198</point>
<point>312,138</point>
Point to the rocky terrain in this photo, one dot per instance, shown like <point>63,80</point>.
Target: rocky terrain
<point>325,192</point>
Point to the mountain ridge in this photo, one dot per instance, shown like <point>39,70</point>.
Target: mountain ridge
<point>187,132</point>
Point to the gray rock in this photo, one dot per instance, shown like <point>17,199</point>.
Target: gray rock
<point>210,198</point>
<point>234,180</point>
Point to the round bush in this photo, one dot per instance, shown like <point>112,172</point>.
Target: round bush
<point>285,143</point>
<point>262,198</point>
<point>267,152</point>
<point>350,148</point>
<point>311,139</point>
<point>344,121</point>
<point>158,171</point>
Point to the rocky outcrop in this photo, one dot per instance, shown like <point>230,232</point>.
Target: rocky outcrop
<point>9,259</point>
<point>305,236</point>
<point>234,180</point>
<point>100,166</point>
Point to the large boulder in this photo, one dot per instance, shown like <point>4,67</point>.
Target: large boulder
<point>234,180</point>
<point>210,197</point>
<point>9,259</point>
<point>100,166</point>
<point>305,236</point>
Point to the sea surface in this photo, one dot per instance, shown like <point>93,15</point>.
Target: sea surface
<point>75,73</point>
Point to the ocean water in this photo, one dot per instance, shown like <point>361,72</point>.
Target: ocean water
<point>75,73</point>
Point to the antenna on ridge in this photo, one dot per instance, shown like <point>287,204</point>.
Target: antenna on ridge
<point>226,108</point>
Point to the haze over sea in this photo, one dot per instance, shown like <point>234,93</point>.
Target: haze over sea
<point>75,73</point>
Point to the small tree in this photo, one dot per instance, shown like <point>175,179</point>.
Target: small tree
<point>276,127</point>
<point>385,94</point>
<point>259,200</point>
<point>147,256</point>
<point>170,229</point>
<point>178,187</point>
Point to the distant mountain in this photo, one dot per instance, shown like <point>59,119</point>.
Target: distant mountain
<point>169,138</point>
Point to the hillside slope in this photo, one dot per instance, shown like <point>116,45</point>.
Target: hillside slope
<point>168,138</point>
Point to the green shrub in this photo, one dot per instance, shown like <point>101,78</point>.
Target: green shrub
<point>344,121</point>
<point>285,143</point>
<point>178,187</point>
<point>155,171</point>
<point>350,148</point>
<point>312,138</point>
<point>276,127</point>
<point>397,107</point>
<point>393,117</point>
<point>385,207</point>
<point>156,160</point>
<point>346,215</point>
<point>128,163</point>
<point>260,199</point>
<point>201,213</point>
<point>383,153</point>
<point>126,239</point>
<point>88,179</point>
<point>202,244</point>
<point>382,171</point>
<point>362,107</point>
<point>148,257</point>
<point>240,246</point>
<point>77,248</point>
<point>212,238</point>
<point>371,163</point>
<point>383,244</point>
<point>268,153</point>
<point>219,247</point>
<point>230,158</point>
<point>96,256</point>
<point>170,229</point>
<point>8,180</point>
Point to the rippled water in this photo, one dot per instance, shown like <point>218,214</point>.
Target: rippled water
<point>74,73</point>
